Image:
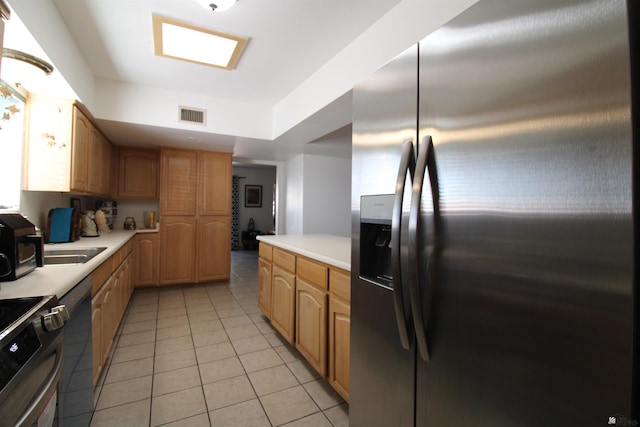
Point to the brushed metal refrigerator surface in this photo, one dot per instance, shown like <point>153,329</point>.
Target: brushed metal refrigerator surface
<point>528,296</point>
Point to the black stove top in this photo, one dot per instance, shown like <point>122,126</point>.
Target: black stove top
<point>12,309</point>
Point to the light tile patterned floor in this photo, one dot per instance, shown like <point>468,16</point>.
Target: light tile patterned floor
<point>204,355</point>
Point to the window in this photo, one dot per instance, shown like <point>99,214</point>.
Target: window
<point>11,128</point>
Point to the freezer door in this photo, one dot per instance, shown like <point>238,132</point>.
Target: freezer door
<point>528,105</point>
<point>382,371</point>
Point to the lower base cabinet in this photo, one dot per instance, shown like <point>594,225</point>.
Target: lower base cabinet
<point>147,253</point>
<point>214,257</point>
<point>177,250</point>
<point>109,302</point>
<point>283,302</point>
<point>339,346</point>
<point>311,325</point>
<point>308,303</point>
<point>264,286</point>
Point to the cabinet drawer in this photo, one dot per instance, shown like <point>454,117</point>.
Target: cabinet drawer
<point>265,251</point>
<point>284,259</point>
<point>312,272</point>
<point>101,274</point>
<point>340,284</point>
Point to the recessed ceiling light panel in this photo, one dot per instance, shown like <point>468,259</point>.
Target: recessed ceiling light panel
<point>174,39</point>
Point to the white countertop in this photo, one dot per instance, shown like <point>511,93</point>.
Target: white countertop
<point>59,279</point>
<point>332,250</point>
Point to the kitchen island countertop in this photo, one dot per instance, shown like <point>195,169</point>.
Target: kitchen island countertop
<point>332,250</point>
<point>60,279</point>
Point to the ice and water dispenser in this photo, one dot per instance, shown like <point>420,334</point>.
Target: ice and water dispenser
<point>375,238</point>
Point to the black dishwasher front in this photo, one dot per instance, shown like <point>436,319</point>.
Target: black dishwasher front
<point>75,405</point>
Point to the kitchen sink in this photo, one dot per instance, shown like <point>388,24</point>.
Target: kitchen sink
<point>71,256</point>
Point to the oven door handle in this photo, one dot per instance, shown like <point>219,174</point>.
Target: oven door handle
<point>44,392</point>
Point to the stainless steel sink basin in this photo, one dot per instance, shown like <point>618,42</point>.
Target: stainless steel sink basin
<point>71,256</point>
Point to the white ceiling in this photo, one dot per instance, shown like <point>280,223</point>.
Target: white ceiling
<point>289,41</point>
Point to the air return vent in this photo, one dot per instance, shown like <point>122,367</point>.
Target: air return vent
<point>192,115</point>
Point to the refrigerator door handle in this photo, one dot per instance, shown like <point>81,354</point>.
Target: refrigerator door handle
<point>403,314</point>
<point>419,261</point>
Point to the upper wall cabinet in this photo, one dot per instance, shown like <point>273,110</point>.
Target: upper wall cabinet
<point>64,151</point>
<point>138,173</point>
<point>178,190</point>
<point>214,183</point>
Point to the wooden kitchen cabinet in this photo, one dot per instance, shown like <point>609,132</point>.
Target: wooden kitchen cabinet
<point>109,166</point>
<point>283,303</point>
<point>97,302</point>
<point>214,183</point>
<point>214,237</point>
<point>110,299</point>
<point>339,331</point>
<point>264,285</point>
<point>311,312</point>
<point>147,259</point>
<point>308,303</point>
<point>339,346</point>
<point>177,249</point>
<point>64,150</point>
<point>195,209</point>
<point>179,185</point>
<point>81,137</point>
<point>138,173</point>
<point>99,164</point>
<point>311,324</point>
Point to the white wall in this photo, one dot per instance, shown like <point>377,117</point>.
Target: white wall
<point>263,216</point>
<point>327,196</point>
<point>318,196</point>
<point>35,205</point>
<point>291,198</point>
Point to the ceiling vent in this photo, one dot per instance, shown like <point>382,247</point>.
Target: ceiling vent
<point>192,115</point>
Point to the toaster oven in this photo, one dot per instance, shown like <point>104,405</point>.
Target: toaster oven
<point>21,249</point>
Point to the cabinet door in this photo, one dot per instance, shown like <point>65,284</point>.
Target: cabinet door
<point>108,319</point>
<point>48,144</point>
<point>148,259</point>
<point>81,135</point>
<point>177,249</point>
<point>96,336</point>
<point>178,189</point>
<point>283,292</point>
<point>339,346</point>
<point>138,173</point>
<point>264,286</point>
<point>214,248</point>
<point>115,303</point>
<point>96,151</point>
<point>106,166</point>
<point>311,324</point>
<point>214,183</point>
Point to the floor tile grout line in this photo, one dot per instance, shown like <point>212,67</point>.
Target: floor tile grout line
<point>153,365</point>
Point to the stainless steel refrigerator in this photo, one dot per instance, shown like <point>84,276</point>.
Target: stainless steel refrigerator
<point>493,272</point>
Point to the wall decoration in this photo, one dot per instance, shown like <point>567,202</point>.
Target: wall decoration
<point>253,196</point>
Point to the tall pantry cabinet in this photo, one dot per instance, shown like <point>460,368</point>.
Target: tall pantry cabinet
<point>195,216</point>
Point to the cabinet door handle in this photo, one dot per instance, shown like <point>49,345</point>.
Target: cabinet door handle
<point>403,314</point>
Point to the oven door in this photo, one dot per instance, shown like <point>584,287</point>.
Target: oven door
<point>31,359</point>
<point>26,260</point>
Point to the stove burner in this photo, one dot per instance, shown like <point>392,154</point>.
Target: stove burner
<point>12,309</point>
